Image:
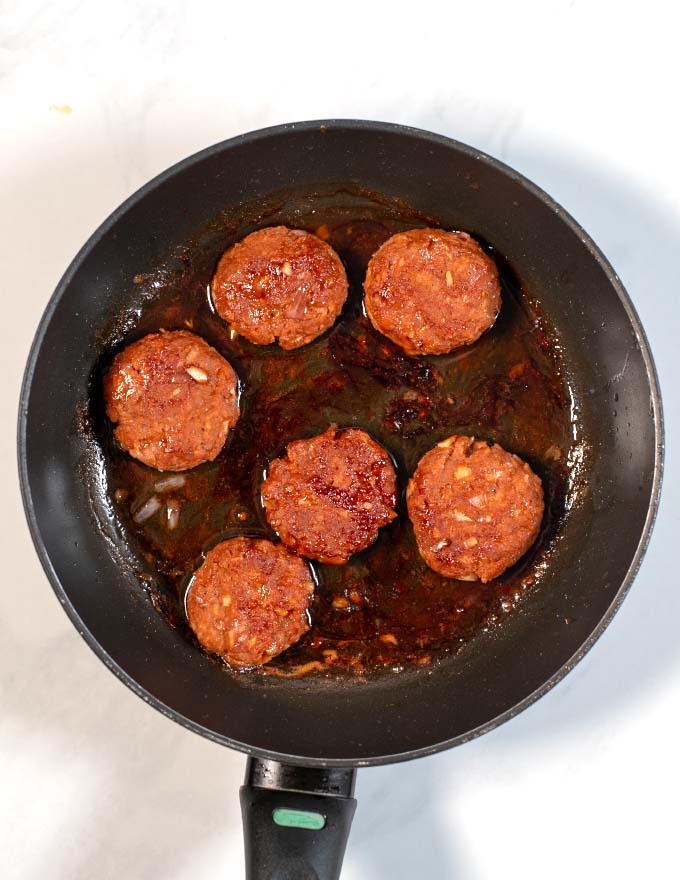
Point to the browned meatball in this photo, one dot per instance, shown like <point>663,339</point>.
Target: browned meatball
<point>431,291</point>
<point>248,601</point>
<point>173,399</point>
<point>328,496</point>
<point>280,283</point>
<point>475,508</point>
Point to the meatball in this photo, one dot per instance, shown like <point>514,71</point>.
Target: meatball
<point>431,291</point>
<point>475,508</point>
<point>248,601</point>
<point>173,399</point>
<point>328,496</point>
<point>280,283</point>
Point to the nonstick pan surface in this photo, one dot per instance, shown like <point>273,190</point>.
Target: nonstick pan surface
<point>614,408</point>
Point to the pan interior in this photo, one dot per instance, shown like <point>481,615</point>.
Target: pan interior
<point>385,609</point>
<point>123,281</point>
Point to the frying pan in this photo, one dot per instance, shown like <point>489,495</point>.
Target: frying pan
<point>306,737</point>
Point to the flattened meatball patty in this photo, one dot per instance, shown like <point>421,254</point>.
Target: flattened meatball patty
<point>280,283</point>
<point>173,399</point>
<point>248,601</point>
<point>431,291</point>
<point>328,496</point>
<point>475,508</point>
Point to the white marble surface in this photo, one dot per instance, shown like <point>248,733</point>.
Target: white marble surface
<point>581,97</point>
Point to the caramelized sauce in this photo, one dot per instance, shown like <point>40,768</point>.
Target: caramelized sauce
<point>384,609</point>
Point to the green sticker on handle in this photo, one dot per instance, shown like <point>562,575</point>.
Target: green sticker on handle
<point>298,819</point>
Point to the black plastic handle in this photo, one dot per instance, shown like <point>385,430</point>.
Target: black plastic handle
<point>296,820</point>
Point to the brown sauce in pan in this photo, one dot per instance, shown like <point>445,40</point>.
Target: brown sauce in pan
<point>385,609</point>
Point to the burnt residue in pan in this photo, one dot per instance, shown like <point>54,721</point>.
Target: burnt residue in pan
<point>384,609</point>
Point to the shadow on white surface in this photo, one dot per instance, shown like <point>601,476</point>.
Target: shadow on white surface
<point>405,826</point>
<point>641,238</point>
<point>139,797</point>
<point>639,654</point>
<point>129,793</point>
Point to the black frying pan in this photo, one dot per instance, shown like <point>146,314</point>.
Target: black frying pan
<point>306,736</point>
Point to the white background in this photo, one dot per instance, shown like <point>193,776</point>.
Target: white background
<point>579,96</point>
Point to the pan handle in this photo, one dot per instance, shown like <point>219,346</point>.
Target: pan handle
<point>296,820</point>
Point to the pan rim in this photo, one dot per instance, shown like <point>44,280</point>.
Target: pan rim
<point>360,125</point>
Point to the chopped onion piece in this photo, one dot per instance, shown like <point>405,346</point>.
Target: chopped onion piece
<point>197,374</point>
<point>173,514</point>
<point>296,671</point>
<point>147,509</point>
<point>176,481</point>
